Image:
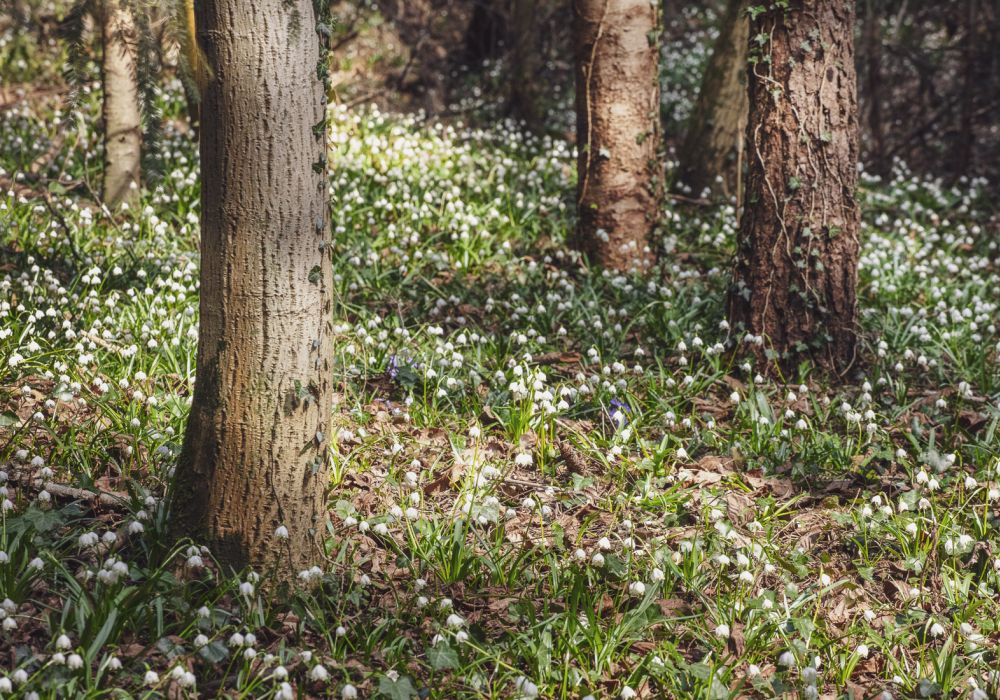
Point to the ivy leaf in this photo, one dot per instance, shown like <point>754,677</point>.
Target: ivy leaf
<point>399,689</point>
<point>442,657</point>
<point>214,652</point>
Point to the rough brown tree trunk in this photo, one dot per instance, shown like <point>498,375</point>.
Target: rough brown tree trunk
<point>796,266</point>
<point>714,141</point>
<point>122,119</point>
<point>617,125</point>
<point>256,448</point>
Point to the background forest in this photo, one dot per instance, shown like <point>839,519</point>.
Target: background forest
<point>544,349</point>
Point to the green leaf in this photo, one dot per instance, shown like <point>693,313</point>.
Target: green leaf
<point>169,648</point>
<point>9,419</point>
<point>399,689</point>
<point>214,652</point>
<point>102,634</point>
<point>442,657</point>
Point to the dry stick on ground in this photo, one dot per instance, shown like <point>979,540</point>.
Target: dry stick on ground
<point>104,498</point>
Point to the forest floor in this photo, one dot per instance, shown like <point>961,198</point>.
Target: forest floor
<point>548,481</point>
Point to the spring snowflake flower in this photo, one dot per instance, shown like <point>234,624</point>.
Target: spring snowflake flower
<point>348,692</point>
<point>526,688</point>
<point>151,678</point>
<point>319,673</point>
<point>637,589</point>
<point>281,532</point>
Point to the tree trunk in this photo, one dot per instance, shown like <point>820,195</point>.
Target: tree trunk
<point>796,266</point>
<point>714,141</point>
<point>525,61</point>
<point>255,453</point>
<point>617,125</point>
<point>122,120</point>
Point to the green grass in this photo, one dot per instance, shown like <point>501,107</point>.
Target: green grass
<point>548,479</point>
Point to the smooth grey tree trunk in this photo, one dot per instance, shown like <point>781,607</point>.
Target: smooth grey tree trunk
<point>122,118</point>
<point>256,449</point>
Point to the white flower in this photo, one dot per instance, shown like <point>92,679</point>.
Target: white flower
<point>74,661</point>
<point>637,589</point>
<point>246,588</point>
<point>281,532</point>
<point>862,651</point>
<point>627,693</point>
<point>455,621</point>
<point>787,659</point>
<point>151,678</point>
<point>937,630</point>
<point>348,692</point>
<point>526,688</point>
<point>319,673</point>
<point>63,643</point>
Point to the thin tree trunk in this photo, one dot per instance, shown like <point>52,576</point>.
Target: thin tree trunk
<point>964,153</point>
<point>122,119</point>
<point>617,125</point>
<point>873,88</point>
<point>718,122</point>
<point>525,61</point>
<point>255,453</point>
<point>796,266</point>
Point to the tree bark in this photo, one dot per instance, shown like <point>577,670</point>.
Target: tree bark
<point>256,448</point>
<point>525,62</point>
<point>617,127</point>
<point>873,87</point>
<point>122,119</point>
<point>714,141</point>
<point>796,266</point>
